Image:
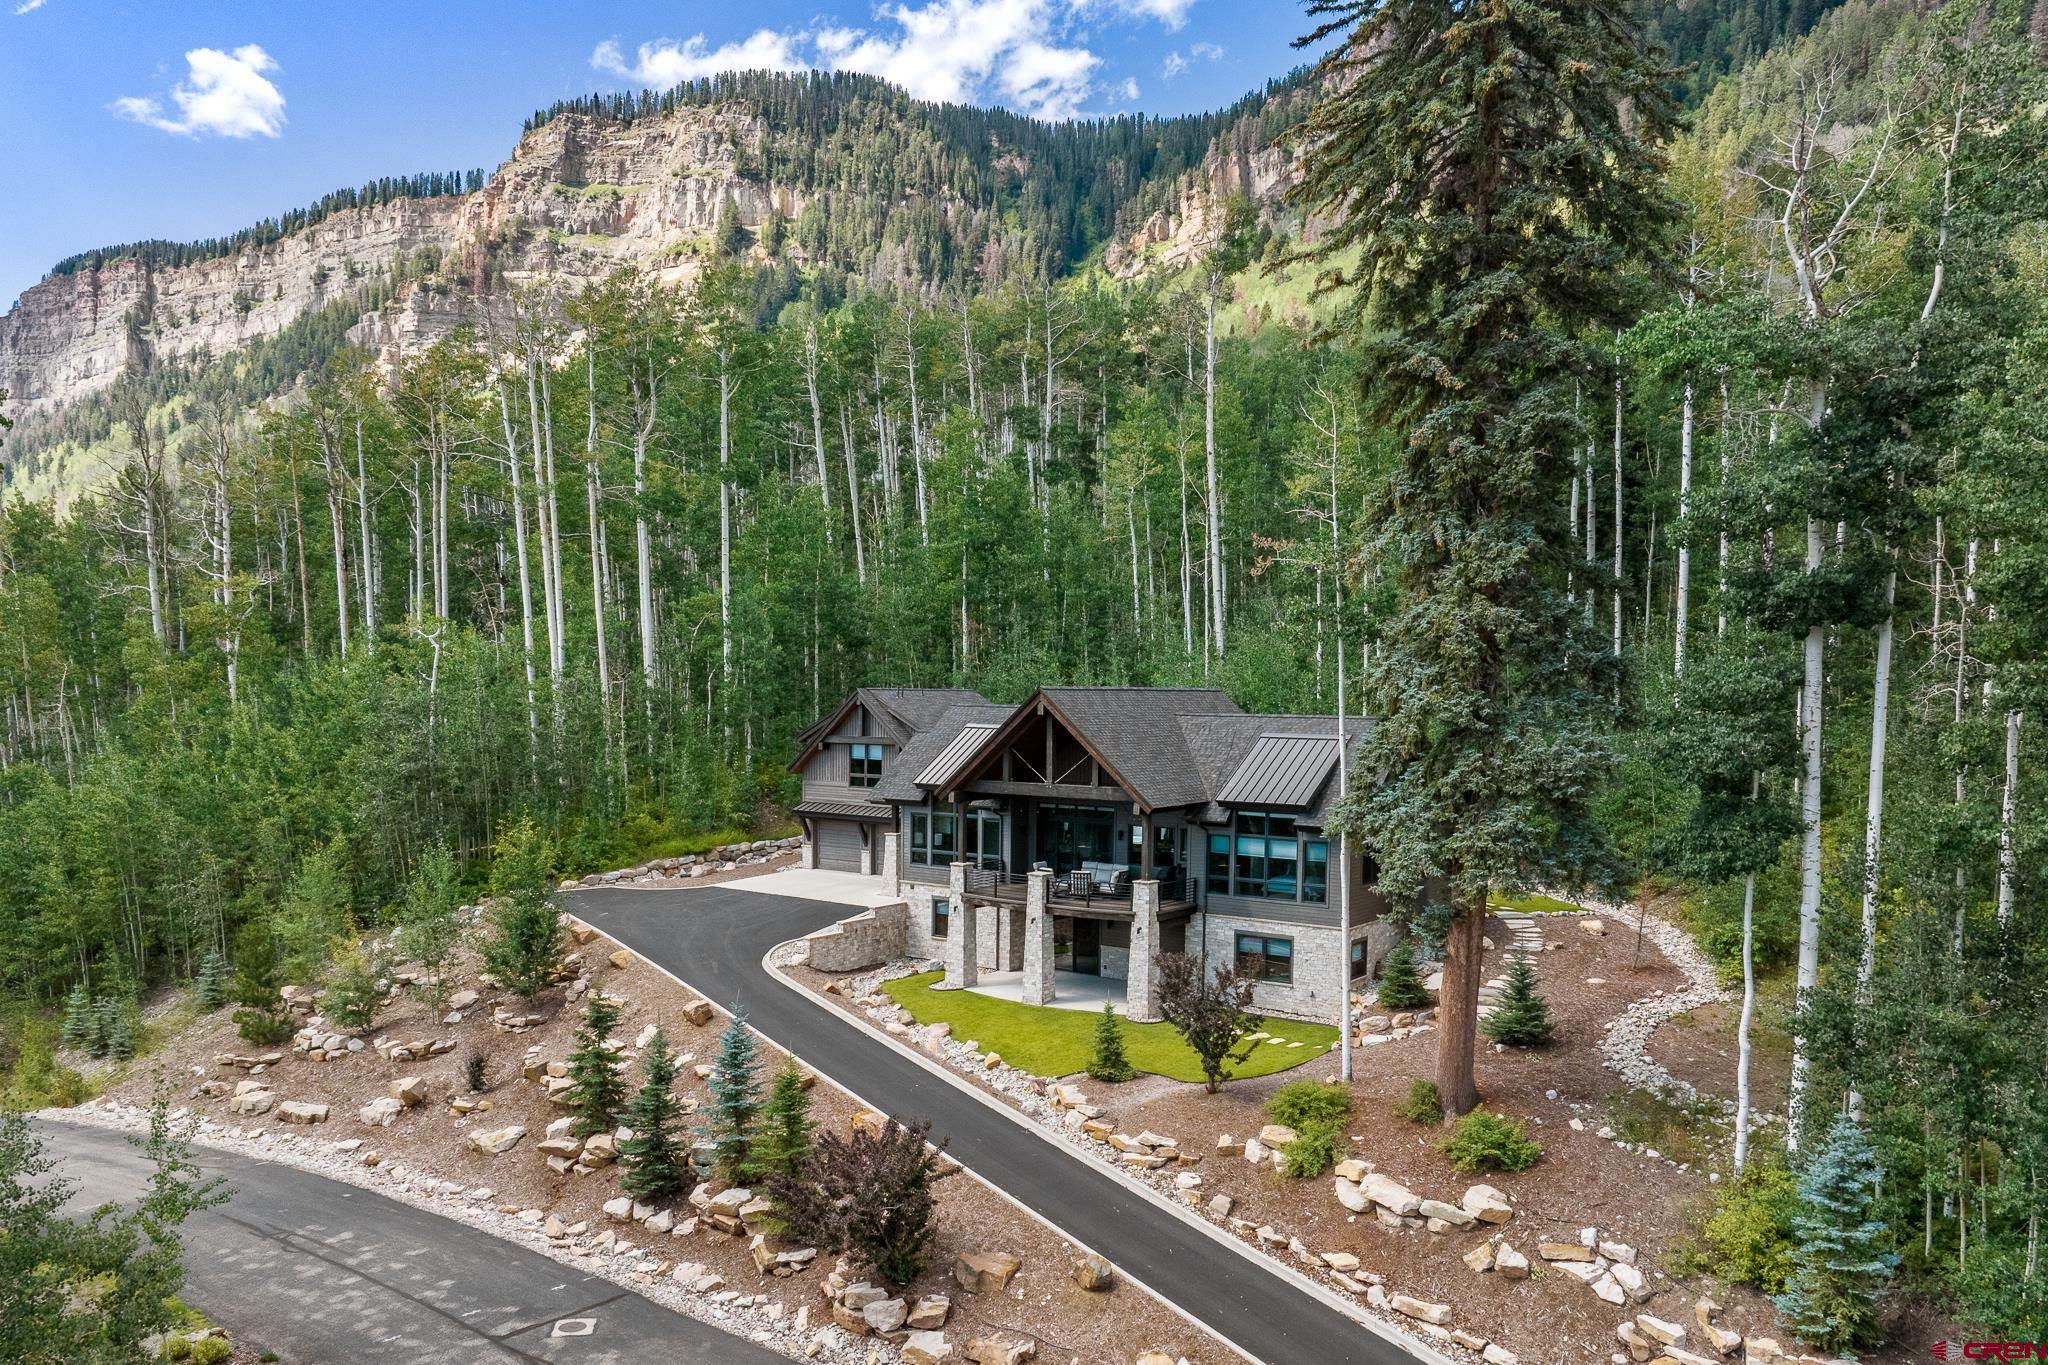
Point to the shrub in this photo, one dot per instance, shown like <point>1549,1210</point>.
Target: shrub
<point>1400,983</point>
<point>735,1101</point>
<point>1747,1238</point>
<point>1422,1105</point>
<point>81,1018</point>
<point>474,1073</point>
<point>1107,1061</point>
<point>1313,1151</point>
<point>1309,1104</point>
<point>351,999</point>
<point>525,946</point>
<point>1521,1019</point>
<point>1212,1014</point>
<point>259,972</point>
<point>867,1197</point>
<point>1486,1141</point>
<point>177,1348</point>
<point>212,1351</point>
<point>428,931</point>
<point>210,987</point>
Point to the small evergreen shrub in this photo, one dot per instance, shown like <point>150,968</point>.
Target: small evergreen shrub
<point>81,1018</point>
<point>786,1126</point>
<point>212,1351</point>
<point>1520,1018</point>
<point>1107,1061</point>
<point>1422,1104</point>
<point>210,987</point>
<point>1313,1151</point>
<point>1747,1238</point>
<point>1840,1264</point>
<point>1486,1141</point>
<point>1302,1105</point>
<point>351,999</point>
<point>1400,983</point>
<point>735,1101</point>
<point>474,1073</point>
<point>525,944</point>
<point>657,1157</point>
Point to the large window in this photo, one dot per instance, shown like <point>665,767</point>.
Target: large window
<point>1264,958</point>
<point>864,765</point>
<point>935,838</point>
<point>1266,856</point>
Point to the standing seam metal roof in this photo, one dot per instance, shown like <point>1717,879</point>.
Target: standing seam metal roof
<point>1284,771</point>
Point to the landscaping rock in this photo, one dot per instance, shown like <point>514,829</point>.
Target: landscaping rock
<point>1276,1135</point>
<point>927,1348</point>
<point>929,1313</point>
<point>1631,1281</point>
<point>1487,1204</point>
<point>1480,1258</point>
<point>1001,1350</point>
<point>984,1273</point>
<point>1437,1211</point>
<point>698,1012</point>
<point>1391,1195</point>
<point>496,1141</point>
<point>296,1111</point>
<point>1662,1332</point>
<point>885,1316</point>
<point>409,1091</point>
<point>1350,1195</point>
<point>379,1113</point>
<point>1511,1263</point>
<point>1435,1314</point>
<point>1563,1251</point>
<point>1094,1273</point>
<point>250,1103</point>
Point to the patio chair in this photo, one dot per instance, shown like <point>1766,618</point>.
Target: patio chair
<point>1081,885</point>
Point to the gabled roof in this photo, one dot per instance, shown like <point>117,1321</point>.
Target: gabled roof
<point>1132,733</point>
<point>901,775</point>
<point>1223,747</point>
<point>903,713</point>
<point>956,753</point>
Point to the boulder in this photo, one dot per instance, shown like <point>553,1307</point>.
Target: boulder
<point>1564,1251</point>
<point>1497,1354</point>
<point>1343,1262</point>
<point>1437,1211</point>
<point>1607,1291</point>
<point>1276,1135</point>
<point>297,1111</point>
<point>1094,1273</point>
<point>496,1141</point>
<point>1617,1251</point>
<point>1001,1350</point>
<point>927,1348</point>
<point>620,1209</point>
<point>1639,1346</point>
<point>408,1090</point>
<point>885,1315</point>
<point>250,1103</point>
<point>1435,1314</point>
<point>1511,1263</point>
<point>929,1313</point>
<point>1487,1204</point>
<point>984,1273</point>
<point>698,1012</point>
<point>1593,927</point>
<point>1391,1195</point>
<point>1480,1258</point>
<point>1350,1195</point>
<point>566,1147</point>
<point>1662,1332</point>
<point>379,1113</point>
<point>1631,1281</point>
<point>621,959</point>
<point>1221,1205</point>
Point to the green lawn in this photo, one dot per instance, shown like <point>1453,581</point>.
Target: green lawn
<point>1056,1042</point>
<point>1530,905</point>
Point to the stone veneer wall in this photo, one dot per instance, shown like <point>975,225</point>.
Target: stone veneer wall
<point>1320,960</point>
<point>868,939</point>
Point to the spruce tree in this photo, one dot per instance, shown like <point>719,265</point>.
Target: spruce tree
<point>1839,1262</point>
<point>80,1018</point>
<point>1107,1062</point>
<point>786,1126</point>
<point>1520,1018</point>
<point>1489,173</point>
<point>210,987</point>
<point>657,1157</point>
<point>1400,984</point>
<point>118,1041</point>
<point>106,1021</point>
<point>735,1101</point>
<point>598,1092</point>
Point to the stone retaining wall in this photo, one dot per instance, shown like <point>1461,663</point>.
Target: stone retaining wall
<point>721,859</point>
<point>865,940</point>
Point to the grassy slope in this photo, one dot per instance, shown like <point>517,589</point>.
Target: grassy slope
<point>1056,1042</point>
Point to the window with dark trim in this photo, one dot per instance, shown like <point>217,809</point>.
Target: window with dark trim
<point>942,916</point>
<point>1359,959</point>
<point>1262,957</point>
<point>1266,856</point>
<point>935,838</point>
<point>864,765</point>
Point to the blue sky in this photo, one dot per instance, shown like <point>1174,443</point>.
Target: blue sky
<point>132,119</point>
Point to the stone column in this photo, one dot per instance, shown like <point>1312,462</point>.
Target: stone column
<point>807,851</point>
<point>1141,987</point>
<point>963,961</point>
<point>1038,949</point>
<point>890,871</point>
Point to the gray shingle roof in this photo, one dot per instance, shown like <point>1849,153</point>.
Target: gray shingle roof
<point>919,708</point>
<point>1135,729</point>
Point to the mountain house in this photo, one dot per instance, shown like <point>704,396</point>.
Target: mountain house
<point>1074,838</point>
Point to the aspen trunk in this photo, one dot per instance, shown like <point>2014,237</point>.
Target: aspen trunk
<point>1684,587</point>
<point>1216,589</point>
<point>1748,1015</point>
<point>2008,809</point>
<point>525,577</point>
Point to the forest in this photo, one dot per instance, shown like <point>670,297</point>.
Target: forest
<point>1750,617</point>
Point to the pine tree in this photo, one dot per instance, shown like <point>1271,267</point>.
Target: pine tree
<point>729,239</point>
<point>1108,1062</point>
<point>106,1023</point>
<point>351,1000</point>
<point>1500,176</point>
<point>786,1126</point>
<point>525,946</point>
<point>1520,1018</point>
<point>1400,984</point>
<point>80,1018</point>
<point>1839,1264</point>
<point>598,1092</point>
<point>735,1101</point>
<point>118,1041</point>
<point>210,988</point>
<point>657,1157</point>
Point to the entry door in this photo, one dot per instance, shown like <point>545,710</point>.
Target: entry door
<point>1088,947</point>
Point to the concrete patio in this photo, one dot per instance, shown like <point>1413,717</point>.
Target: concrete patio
<point>1071,990</point>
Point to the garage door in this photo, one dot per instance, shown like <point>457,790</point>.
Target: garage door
<point>838,845</point>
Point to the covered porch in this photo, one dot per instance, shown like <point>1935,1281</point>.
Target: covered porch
<point>1070,990</point>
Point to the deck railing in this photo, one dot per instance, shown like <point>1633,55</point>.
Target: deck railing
<point>1008,888</point>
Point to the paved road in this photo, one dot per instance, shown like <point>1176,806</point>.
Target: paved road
<point>324,1273</point>
<point>714,938</point>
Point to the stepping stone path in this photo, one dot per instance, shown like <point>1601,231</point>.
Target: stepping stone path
<point>1525,938</point>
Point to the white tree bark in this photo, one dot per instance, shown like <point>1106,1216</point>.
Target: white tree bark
<point>1684,589</point>
<point>519,541</point>
<point>1617,509</point>
<point>2008,809</point>
<point>363,536</point>
<point>1742,1049</point>
<point>1216,590</point>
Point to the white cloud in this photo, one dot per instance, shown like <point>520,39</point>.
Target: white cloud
<point>1172,13</point>
<point>1208,52</point>
<point>30,6</point>
<point>225,94</point>
<point>1173,65</point>
<point>666,62</point>
<point>1129,90</point>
